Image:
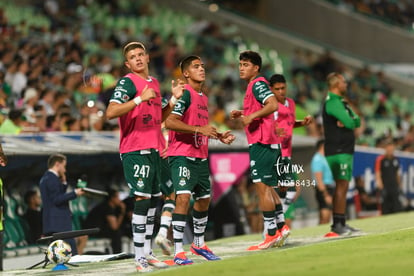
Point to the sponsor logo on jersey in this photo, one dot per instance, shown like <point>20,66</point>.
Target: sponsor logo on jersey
<point>147,118</point>
<point>120,89</point>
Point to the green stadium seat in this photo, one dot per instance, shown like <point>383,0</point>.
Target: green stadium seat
<point>382,126</point>
<point>12,222</point>
<point>312,107</point>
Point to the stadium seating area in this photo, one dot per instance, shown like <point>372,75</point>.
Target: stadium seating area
<point>17,228</point>
<point>85,61</point>
<point>397,13</point>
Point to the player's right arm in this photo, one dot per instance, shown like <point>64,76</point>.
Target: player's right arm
<point>123,98</point>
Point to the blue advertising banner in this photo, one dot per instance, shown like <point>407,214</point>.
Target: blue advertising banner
<point>364,166</point>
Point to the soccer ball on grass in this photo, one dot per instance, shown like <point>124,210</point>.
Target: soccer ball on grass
<point>59,252</point>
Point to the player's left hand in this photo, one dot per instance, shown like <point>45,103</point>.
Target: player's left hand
<point>163,153</point>
<point>307,120</point>
<point>177,88</point>
<point>226,137</point>
<point>246,120</point>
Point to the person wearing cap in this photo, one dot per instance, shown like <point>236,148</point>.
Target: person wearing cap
<point>30,100</point>
<point>388,179</point>
<point>136,102</point>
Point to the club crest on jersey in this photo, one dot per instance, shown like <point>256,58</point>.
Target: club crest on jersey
<point>140,183</point>
<point>182,182</point>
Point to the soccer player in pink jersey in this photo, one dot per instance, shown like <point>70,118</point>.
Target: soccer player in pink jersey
<point>264,145</point>
<point>187,154</point>
<point>285,122</point>
<point>136,102</point>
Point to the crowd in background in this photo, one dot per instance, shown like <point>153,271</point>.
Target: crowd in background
<point>52,80</point>
<point>399,13</point>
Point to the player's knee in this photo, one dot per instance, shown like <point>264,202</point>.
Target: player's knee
<point>183,200</point>
<point>202,203</point>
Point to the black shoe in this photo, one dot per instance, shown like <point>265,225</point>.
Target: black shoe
<point>352,229</point>
<point>340,230</point>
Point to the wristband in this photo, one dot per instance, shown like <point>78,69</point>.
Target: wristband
<point>173,100</point>
<point>137,100</point>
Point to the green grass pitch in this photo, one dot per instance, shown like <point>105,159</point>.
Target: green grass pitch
<point>384,247</point>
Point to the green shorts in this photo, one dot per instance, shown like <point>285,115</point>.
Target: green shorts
<point>341,166</point>
<point>263,160</point>
<point>190,176</point>
<point>141,171</point>
<point>166,184</point>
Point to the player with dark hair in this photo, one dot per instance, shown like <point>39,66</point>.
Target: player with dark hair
<point>136,102</point>
<point>285,118</point>
<point>264,145</point>
<point>188,152</point>
<point>339,123</point>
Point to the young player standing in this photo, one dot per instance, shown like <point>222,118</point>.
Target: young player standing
<point>264,145</point>
<point>285,122</point>
<point>188,153</point>
<point>136,101</point>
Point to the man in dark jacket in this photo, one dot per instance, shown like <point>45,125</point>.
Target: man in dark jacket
<point>56,215</point>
